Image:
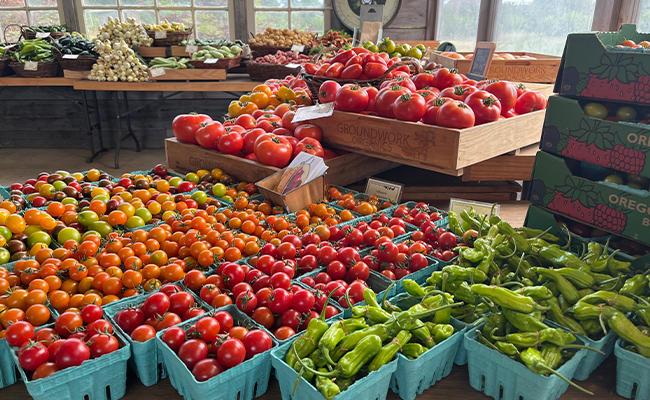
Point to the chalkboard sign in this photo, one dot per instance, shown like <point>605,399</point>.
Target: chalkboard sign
<point>446,46</point>
<point>481,60</point>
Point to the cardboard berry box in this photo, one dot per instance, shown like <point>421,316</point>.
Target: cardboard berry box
<point>570,133</point>
<point>594,67</point>
<point>556,185</point>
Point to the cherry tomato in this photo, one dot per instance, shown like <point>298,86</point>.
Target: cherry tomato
<point>193,351</point>
<point>32,355</point>
<point>71,353</point>
<point>257,342</point>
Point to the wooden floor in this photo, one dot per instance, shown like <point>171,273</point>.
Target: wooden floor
<point>456,386</point>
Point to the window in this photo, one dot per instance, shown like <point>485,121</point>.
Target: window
<point>644,17</point>
<point>210,18</point>
<point>541,26</point>
<point>303,15</point>
<point>459,23</point>
<point>27,12</point>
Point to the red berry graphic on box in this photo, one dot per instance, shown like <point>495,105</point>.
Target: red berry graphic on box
<point>628,160</point>
<point>616,78</point>
<point>609,219</point>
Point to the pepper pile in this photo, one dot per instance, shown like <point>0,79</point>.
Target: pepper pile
<point>76,45</point>
<point>32,50</point>
<point>335,356</point>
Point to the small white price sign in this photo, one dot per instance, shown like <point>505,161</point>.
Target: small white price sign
<point>41,35</point>
<point>31,66</point>
<point>70,56</point>
<point>314,112</point>
<point>292,65</point>
<point>155,72</point>
<point>210,61</point>
<point>191,48</point>
<point>458,205</point>
<point>384,189</point>
<point>247,51</point>
<point>298,47</point>
<point>160,34</point>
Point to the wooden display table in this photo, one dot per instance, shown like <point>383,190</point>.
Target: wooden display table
<point>17,81</point>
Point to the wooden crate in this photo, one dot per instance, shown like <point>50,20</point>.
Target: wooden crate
<point>151,52</point>
<point>179,51</point>
<point>517,166</point>
<point>191,75</point>
<point>343,170</point>
<point>68,74</point>
<point>542,70</point>
<point>426,146</point>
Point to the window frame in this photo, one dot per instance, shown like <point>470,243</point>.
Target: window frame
<point>251,9</point>
<point>230,9</point>
<point>27,8</point>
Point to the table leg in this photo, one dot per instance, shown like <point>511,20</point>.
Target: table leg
<point>128,123</point>
<point>92,128</point>
<point>118,145</point>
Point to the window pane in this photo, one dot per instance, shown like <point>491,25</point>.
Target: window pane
<point>184,16</point>
<point>100,3</point>
<point>541,26</point>
<point>644,17</point>
<point>271,19</point>
<point>96,18</point>
<point>212,24</point>
<point>459,23</point>
<point>41,3</point>
<point>141,3</point>
<point>143,16</point>
<point>12,3</point>
<point>308,3</point>
<point>174,3</point>
<point>9,18</point>
<point>271,3</point>
<point>211,3</point>
<point>45,17</point>
<point>308,21</point>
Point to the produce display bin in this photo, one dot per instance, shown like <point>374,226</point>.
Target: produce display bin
<point>343,170</point>
<point>152,52</point>
<point>246,381</point>
<point>500,377</point>
<point>102,378</point>
<point>380,285</point>
<point>190,75</point>
<point>630,367</point>
<point>7,366</point>
<point>593,67</point>
<point>372,387</point>
<point>541,70</point>
<point>570,133</point>
<point>612,208</point>
<point>429,147</point>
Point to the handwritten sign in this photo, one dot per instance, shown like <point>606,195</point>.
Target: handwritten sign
<point>155,72</point>
<point>31,66</point>
<point>384,189</point>
<point>458,205</point>
<point>293,65</point>
<point>298,47</point>
<point>42,35</point>
<point>191,48</point>
<point>70,56</point>
<point>481,60</point>
<point>314,112</point>
<point>160,34</point>
<point>210,61</point>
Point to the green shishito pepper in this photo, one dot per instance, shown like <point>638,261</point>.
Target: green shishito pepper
<point>495,324</point>
<point>538,293</point>
<point>308,342</point>
<point>635,285</point>
<point>522,321</point>
<point>552,355</point>
<point>555,314</point>
<point>387,352</point>
<point>326,387</point>
<point>618,301</point>
<point>619,323</point>
<point>375,314</point>
<point>413,350</point>
<point>535,362</point>
<point>336,332</point>
<point>507,298</point>
<point>530,339</point>
<point>577,277</point>
<point>561,258</point>
<point>456,273</point>
<point>412,288</point>
<point>565,287</point>
<point>350,342</point>
<point>442,332</point>
<point>521,243</point>
<point>508,349</point>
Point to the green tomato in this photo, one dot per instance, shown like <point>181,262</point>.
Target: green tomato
<point>63,173</point>
<point>101,227</point>
<point>596,110</point>
<point>219,189</point>
<point>69,200</point>
<point>421,47</point>
<point>38,237</point>
<point>638,179</point>
<point>415,53</point>
<point>88,233</point>
<point>101,197</point>
<point>192,177</point>
<point>614,179</point>
<point>633,185</point>
<point>4,255</point>
<point>68,234</point>
<point>395,54</point>
<point>4,231</point>
<point>59,185</point>
<point>33,228</point>
<point>626,114</point>
<point>144,214</point>
<point>389,45</point>
<point>175,181</point>
<point>200,197</point>
<point>134,222</point>
<point>373,48</point>
<point>228,199</point>
<point>85,218</point>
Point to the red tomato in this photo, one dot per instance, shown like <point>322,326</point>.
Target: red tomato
<point>246,121</point>
<point>458,92</point>
<point>409,107</point>
<point>249,139</point>
<point>231,353</point>
<point>19,332</point>
<point>444,78</point>
<point>455,114</point>
<point>32,355</point>
<point>193,351</point>
<point>354,60</point>
<point>273,150</point>
<point>334,71</point>
<point>71,353</point>
<point>185,126</point>
<point>386,98</point>
<point>342,56</point>
<point>327,91</point>
<point>287,121</point>
<point>485,105</point>
<point>374,69</point>
<point>423,80</point>
<point>521,89</point>
<point>268,125</point>
<point>311,69</point>
<point>372,97</point>
<point>322,70</point>
<point>431,114</point>
<point>530,101</point>
<point>351,98</point>
<point>351,72</point>
<point>506,92</point>
<point>209,133</point>
<point>429,94</point>
<point>257,341</point>
<point>101,344</point>
<point>329,154</point>
<point>309,146</point>
<point>308,131</point>
<point>231,142</point>
<point>406,83</point>
<point>206,369</point>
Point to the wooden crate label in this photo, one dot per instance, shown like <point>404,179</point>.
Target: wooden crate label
<point>520,73</point>
<point>379,137</point>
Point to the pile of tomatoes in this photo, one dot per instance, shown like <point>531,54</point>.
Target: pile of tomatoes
<point>75,338</point>
<point>358,64</point>
<point>214,344</point>
<point>272,94</point>
<point>442,97</point>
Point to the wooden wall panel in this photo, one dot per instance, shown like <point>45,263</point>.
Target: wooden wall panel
<point>412,14</point>
<point>404,34</point>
